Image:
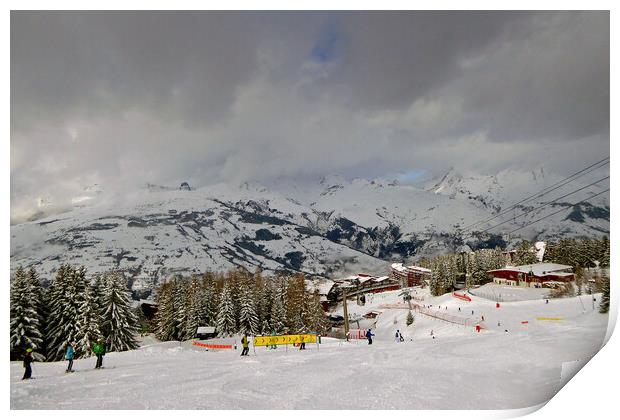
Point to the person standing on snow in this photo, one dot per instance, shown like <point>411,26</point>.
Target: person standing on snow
<point>397,336</point>
<point>69,357</point>
<point>273,346</point>
<point>369,335</point>
<point>99,350</point>
<point>246,345</point>
<point>27,361</point>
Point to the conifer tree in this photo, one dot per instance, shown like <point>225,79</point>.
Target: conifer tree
<point>409,318</point>
<point>317,321</point>
<point>248,319</point>
<point>604,306</point>
<point>278,311</point>
<point>226,320</point>
<point>295,304</point>
<point>207,304</point>
<point>119,321</point>
<point>192,300</point>
<point>88,324</point>
<point>65,299</point>
<point>165,322</point>
<point>525,255</point>
<point>25,322</point>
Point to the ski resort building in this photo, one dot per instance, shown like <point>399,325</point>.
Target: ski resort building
<point>409,276</point>
<point>533,275</point>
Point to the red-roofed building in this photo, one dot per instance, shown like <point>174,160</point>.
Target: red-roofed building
<point>533,275</point>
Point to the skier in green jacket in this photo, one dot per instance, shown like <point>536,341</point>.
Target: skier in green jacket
<point>99,350</point>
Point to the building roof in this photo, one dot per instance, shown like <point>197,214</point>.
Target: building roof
<point>538,270</point>
<point>409,268</point>
<point>205,330</point>
<point>323,288</point>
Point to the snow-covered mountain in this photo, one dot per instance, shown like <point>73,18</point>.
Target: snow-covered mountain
<point>325,228</point>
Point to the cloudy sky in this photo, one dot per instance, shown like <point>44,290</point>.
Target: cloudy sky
<point>126,98</point>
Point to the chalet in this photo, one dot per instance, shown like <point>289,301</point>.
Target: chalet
<point>533,275</point>
<point>409,276</point>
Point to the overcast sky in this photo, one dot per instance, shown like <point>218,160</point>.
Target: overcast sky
<point>126,98</point>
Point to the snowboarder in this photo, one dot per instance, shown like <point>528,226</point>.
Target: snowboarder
<point>397,336</point>
<point>369,335</point>
<point>246,345</point>
<point>99,350</point>
<point>27,361</point>
<point>69,357</point>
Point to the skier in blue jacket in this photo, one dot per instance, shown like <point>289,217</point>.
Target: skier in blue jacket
<point>69,357</point>
<point>369,336</point>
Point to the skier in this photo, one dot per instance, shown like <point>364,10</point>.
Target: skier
<point>69,357</point>
<point>246,345</point>
<point>400,337</point>
<point>432,333</point>
<point>27,361</point>
<point>369,335</point>
<point>99,350</point>
<point>483,317</point>
<point>397,336</point>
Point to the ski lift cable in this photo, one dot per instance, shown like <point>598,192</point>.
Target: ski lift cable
<point>546,190</point>
<point>556,212</point>
<point>544,204</point>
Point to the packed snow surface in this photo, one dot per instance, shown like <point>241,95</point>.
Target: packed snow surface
<point>458,369</point>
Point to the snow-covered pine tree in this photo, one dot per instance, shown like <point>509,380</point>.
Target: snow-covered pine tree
<point>179,299</point>
<point>65,299</point>
<point>119,321</point>
<point>226,319</point>
<point>193,308</point>
<point>524,254</point>
<point>25,322</point>
<point>604,251</point>
<point>248,319</point>
<point>165,323</point>
<point>604,306</point>
<point>278,311</point>
<point>265,303</point>
<point>88,323</point>
<point>40,302</point>
<point>207,302</point>
<point>98,289</point>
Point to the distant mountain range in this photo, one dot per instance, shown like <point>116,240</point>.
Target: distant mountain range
<point>326,228</point>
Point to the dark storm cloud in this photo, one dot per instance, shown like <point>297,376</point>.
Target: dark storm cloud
<point>125,98</point>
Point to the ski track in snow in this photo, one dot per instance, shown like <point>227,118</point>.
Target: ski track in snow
<point>460,369</point>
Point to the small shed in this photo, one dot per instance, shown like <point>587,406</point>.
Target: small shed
<point>203,333</point>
